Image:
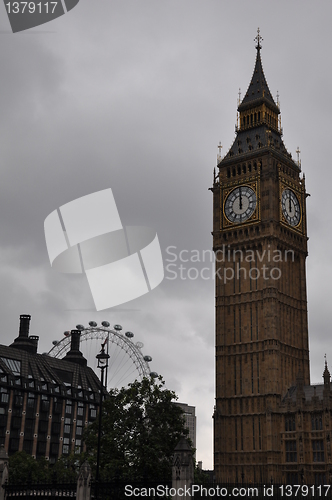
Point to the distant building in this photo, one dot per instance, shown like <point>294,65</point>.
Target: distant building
<point>45,402</point>
<point>190,417</point>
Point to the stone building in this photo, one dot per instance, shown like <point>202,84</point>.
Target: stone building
<point>45,402</point>
<point>269,423</point>
<point>189,413</point>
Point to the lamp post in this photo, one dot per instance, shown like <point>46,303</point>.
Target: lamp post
<point>102,359</point>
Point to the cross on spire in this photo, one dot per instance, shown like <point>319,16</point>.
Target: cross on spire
<point>258,38</point>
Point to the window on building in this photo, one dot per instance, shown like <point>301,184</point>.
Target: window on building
<point>316,423</point>
<point>13,364</point>
<point>54,449</point>
<point>16,423</point>
<point>45,406</point>
<point>4,398</point>
<point>318,450</point>
<point>292,478</point>
<point>31,402</point>
<point>27,446</point>
<point>55,427</point>
<point>68,408</point>
<point>290,423</point>
<point>18,401</point>
<point>92,411</point>
<point>291,454</point>
<point>320,478</point>
<point>13,445</point>
<point>57,407</point>
<point>43,425</point>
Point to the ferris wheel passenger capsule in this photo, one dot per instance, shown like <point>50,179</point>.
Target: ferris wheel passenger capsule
<point>147,358</point>
<point>80,327</point>
<point>105,324</point>
<point>118,327</point>
<point>154,375</point>
<point>129,335</point>
<point>66,333</point>
<point>92,323</point>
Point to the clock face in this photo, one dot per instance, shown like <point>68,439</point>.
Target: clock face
<point>290,207</point>
<point>240,204</point>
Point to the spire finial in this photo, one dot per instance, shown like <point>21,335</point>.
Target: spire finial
<point>258,38</point>
<point>299,165</point>
<point>325,360</point>
<point>219,152</point>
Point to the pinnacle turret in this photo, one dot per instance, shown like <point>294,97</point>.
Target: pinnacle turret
<point>258,91</point>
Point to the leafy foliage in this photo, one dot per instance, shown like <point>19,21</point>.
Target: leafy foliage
<point>23,469</point>
<point>140,429</point>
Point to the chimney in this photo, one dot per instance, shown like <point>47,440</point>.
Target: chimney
<point>23,341</point>
<point>34,340</point>
<point>75,340</point>
<point>24,325</point>
<point>75,355</point>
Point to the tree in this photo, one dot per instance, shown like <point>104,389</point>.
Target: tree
<point>24,469</point>
<point>140,429</point>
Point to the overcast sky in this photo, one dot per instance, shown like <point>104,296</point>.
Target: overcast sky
<point>135,95</point>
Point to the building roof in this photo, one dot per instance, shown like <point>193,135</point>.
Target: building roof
<point>254,139</point>
<point>24,366</point>
<point>258,90</point>
<point>21,366</point>
<point>260,134</point>
<point>309,392</point>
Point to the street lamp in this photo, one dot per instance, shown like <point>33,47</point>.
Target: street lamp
<point>102,359</point>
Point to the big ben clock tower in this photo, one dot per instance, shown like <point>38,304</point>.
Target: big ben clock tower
<point>260,244</point>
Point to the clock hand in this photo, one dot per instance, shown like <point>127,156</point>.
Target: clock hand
<point>240,199</point>
<point>290,204</point>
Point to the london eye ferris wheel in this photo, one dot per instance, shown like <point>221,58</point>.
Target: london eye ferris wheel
<point>127,361</point>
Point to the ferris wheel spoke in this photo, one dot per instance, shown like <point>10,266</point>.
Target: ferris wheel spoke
<point>126,362</point>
